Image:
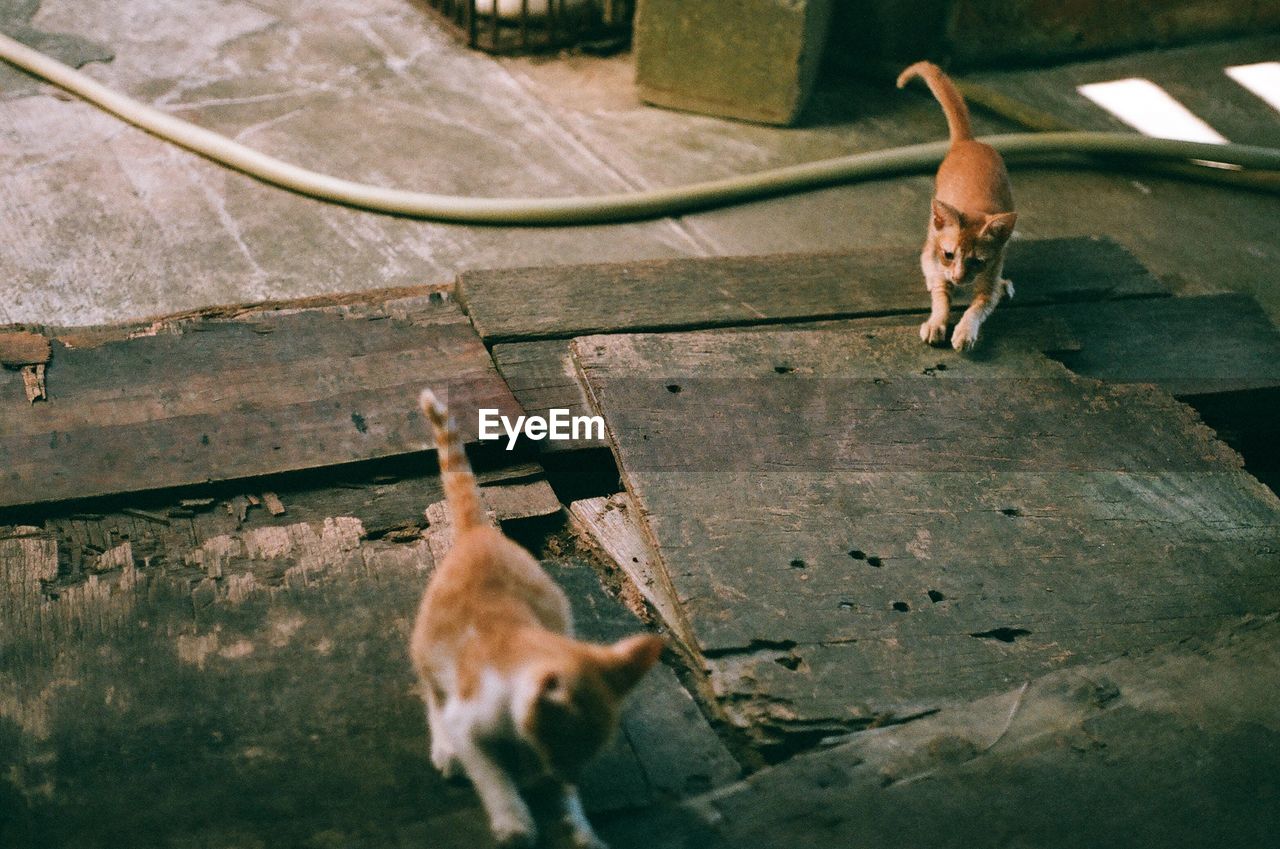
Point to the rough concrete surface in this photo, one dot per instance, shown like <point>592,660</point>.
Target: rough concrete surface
<point>377,91</point>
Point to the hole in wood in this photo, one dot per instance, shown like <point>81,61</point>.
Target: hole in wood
<point>784,369</point>
<point>797,564</point>
<point>673,388</point>
<point>875,561</point>
<point>789,661</point>
<point>858,555</point>
<point>935,596</point>
<point>901,606</point>
<point>1004,635</point>
<point>1011,511</point>
<point>846,605</point>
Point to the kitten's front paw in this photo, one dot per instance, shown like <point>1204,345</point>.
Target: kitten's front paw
<point>933,333</point>
<point>442,758</point>
<point>588,841</point>
<point>965,336</point>
<point>515,835</point>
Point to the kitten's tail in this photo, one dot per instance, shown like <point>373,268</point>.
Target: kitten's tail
<point>947,95</point>
<point>460,489</point>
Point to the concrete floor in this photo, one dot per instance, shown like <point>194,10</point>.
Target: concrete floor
<point>106,223</point>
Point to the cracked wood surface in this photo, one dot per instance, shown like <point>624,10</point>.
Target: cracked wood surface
<point>214,400</point>
<point>881,525</point>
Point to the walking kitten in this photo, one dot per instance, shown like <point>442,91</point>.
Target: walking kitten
<point>500,669</point>
<point>971,221</point>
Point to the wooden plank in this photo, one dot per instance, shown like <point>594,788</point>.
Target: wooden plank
<point>214,400</point>
<point>727,291</point>
<point>542,377</point>
<point>1189,346</point>
<point>881,523</point>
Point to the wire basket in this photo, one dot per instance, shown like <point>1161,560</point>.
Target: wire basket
<point>534,26</point>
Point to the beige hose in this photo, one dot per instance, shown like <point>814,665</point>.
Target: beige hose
<point>618,207</point>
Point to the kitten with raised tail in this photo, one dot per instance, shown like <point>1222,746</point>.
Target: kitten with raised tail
<point>510,694</point>
<point>970,224</point>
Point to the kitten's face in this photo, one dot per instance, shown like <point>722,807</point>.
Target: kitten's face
<point>576,700</point>
<point>963,248</point>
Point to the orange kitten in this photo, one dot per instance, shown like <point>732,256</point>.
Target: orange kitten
<point>501,672</point>
<point>971,223</point>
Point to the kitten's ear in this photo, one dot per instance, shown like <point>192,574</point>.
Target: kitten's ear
<point>944,214</point>
<point>629,659</point>
<point>999,227</point>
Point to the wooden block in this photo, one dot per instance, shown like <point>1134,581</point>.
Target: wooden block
<point>217,400</point>
<point>727,291</point>
<point>750,59</point>
<point>880,523</point>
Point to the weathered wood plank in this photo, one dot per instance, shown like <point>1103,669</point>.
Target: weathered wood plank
<point>875,523</point>
<point>224,399</point>
<point>725,291</point>
<point>542,377</point>
<point>1189,346</point>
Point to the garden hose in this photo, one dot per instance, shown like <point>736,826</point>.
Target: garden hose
<point>629,206</point>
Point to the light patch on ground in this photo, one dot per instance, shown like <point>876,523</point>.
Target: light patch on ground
<point>31,712</point>
<point>282,630</point>
<point>195,649</point>
<point>237,650</point>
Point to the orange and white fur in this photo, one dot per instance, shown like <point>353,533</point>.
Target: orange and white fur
<point>971,221</point>
<point>501,672</point>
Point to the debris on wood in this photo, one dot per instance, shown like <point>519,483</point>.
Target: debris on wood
<point>238,507</point>
<point>273,503</point>
<point>33,383</point>
<point>114,558</point>
<point>149,515</point>
<point>520,500</point>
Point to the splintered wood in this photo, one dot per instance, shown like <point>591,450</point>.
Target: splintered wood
<point>859,527</point>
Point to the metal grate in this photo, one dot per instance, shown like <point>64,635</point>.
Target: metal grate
<point>532,26</point>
